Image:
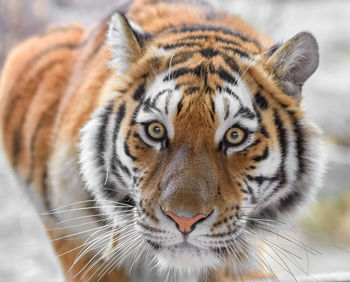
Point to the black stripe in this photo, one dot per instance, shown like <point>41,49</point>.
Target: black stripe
<point>263,131</point>
<point>245,113</point>
<point>179,107</point>
<point>262,157</point>
<point>45,189</point>
<point>18,129</point>
<point>227,41</point>
<point>237,51</point>
<point>212,106</point>
<point>209,37</point>
<point>180,57</point>
<point>256,142</point>
<point>212,116</point>
<point>233,94</point>
<point>224,30</point>
<point>134,115</point>
<point>250,192</point>
<point>180,44</point>
<point>260,178</point>
<point>224,75</point>
<point>139,92</point>
<point>102,133</point>
<point>126,147</point>
<point>154,245</point>
<point>300,145</point>
<point>160,94</point>
<point>116,163</point>
<point>211,68</point>
<point>127,200</point>
<point>282,133</point>
<point>221,146</point>
<point>282,138</point>
<point>227,108</point>
<point>267,213</point>
<point>33,141</point>
<point>137,136</point>
<point>183,71</point>
<point>149,106</point>
<point>257,113</point>
<point>290,200</point>
<point>231,63</point>
<point>190,90</point>
<point>261,101</point>
<point>167,100</point>
<point>101,137</point>
<point>16,150</point>
<point>273,49</point>
<point>209,53</point>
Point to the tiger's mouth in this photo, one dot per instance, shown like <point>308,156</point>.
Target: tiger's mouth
<point>199,249</point>
<point>190,252</point>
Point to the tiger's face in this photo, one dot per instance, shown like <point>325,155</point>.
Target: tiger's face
<point>203,139</point>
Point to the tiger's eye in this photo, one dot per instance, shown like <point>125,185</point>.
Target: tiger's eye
<point>156,130</point>
<point>235,136</point>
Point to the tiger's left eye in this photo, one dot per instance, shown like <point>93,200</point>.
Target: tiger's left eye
<point>156,131</point>
<point>235,136</point>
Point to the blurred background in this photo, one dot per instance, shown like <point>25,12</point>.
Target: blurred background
<point>324,228</point>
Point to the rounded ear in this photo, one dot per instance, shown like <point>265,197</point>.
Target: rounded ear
<point>294,62</point>
<point>125,40</point>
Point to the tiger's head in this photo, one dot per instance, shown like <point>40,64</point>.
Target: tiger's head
<point>203,137</point>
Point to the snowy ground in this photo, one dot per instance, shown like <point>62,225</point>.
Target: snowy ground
<point>25,252</point>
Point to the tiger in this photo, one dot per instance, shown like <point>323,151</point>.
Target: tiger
<point>160,140</point>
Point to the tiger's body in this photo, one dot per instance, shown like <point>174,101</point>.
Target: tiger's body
<point>73,111</point>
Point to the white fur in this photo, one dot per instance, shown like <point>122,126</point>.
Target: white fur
<point>119,44</point>
<point>166,119</point>
<point>243,93</point>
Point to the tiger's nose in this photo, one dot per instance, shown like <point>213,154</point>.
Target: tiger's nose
<point>186,224</point>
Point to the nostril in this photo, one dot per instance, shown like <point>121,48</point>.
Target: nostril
<point>186,224</point>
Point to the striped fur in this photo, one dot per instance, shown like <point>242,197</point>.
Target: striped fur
<point>75,105</point>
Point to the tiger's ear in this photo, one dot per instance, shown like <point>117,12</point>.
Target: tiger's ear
<point>294,62</point>
<point>125,40</point>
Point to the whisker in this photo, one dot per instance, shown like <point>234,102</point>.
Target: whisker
<point>125,253</point>
<point>289,239</point>
<point>79,209</point>
<point>89,201</point>
<point>88,245</point>
<point>77,233</point>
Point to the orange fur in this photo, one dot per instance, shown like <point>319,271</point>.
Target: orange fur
<point>53,82</point>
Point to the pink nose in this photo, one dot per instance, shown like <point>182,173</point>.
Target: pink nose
<point>185,224</point>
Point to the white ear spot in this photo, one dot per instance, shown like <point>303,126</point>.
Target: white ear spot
<point>122,42</point>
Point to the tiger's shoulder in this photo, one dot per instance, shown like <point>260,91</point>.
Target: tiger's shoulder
<point>37,80</point>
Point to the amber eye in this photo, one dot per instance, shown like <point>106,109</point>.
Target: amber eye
<point>156,131</point>
<point>235,136</point>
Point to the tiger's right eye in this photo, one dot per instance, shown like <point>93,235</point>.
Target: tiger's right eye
<point>156,131</point>
<point>235,136</point>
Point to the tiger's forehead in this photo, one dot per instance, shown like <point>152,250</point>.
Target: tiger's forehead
<point>201,79</point>
<point>208,40</point>
<point>199,99</point>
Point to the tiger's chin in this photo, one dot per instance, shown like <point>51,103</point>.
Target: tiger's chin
<point>187,258</point>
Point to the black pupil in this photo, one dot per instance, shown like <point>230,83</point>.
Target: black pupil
<point>156,130</point>
<point>234,135</point>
